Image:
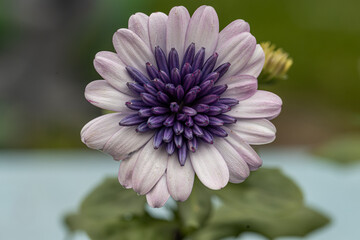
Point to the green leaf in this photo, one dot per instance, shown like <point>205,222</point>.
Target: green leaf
<point>297,223</point>
<point>106,205</point>
<point>111,200</point>
<point>228,222</point>
<point>265,191</point>
<point>143,227</point>
<point>343,149</point>
<point>196,209</point>
<point>268,203</point>
<point>139,228</point>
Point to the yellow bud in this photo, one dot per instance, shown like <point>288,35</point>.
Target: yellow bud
<point>277,63</point>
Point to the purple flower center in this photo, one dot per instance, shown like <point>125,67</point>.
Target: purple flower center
<point>180,102</point>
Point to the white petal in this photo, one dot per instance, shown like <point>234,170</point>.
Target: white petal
<point>247,153</point>
<point>132,50</point>
<point>277,113</point>
<point>203,30</point>
<point>234,28</point>
<point>254,131</point>
<point>256,63</point>
<point>126,169</point>
<point>112,69</point>
<point>157,30</point>
<point>177,25</point>
<point>180,179</point>
<point>139,24</point>
<point>158,196</point>
<point>238,168</point>
<point>210,166</point>
<point>102,95</point>
<point>150,166</point>
<point>88,125</point>
<point>237,51</point>
<point>240,87</point>
<point>98,131</point>
<point>262,104</point>
<point>126,141</point>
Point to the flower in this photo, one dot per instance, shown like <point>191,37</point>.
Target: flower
<point>186,102</point>
<point>277,63</point>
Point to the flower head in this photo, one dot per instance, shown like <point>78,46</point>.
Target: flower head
<point>277,63</point>
<point>186,102</point>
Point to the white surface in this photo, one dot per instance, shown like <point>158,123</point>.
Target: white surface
<point>38,187</point>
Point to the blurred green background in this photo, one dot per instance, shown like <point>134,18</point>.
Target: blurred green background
<point>47,48</point>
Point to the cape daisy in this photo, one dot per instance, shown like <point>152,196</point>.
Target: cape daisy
<point>185,100</point>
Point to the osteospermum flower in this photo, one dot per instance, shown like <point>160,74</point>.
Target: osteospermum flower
<point>186,102</point>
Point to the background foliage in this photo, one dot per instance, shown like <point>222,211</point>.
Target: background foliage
<point>268,203</point>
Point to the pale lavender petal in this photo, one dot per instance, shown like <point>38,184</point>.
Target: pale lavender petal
<point>237,51</point>
<point>126,141</point>
<point>180,179</point>
<point>159,194</point>
<point>103,95</point>
<point>262,104</point>
<point>255,64</point>
<point>157,30</point>
<point>139,24</point>
<point>238,168</point>
<point>132,50</point>
<point>254,131</point>
<point>98,131</point>
<point>246,152</point>
<point>88,125</point>
<point>234,28</point>
<point>112,69</point>
<point>150,166</point>
<point>203,30</point>
<point>210,166</point>
<point>240,87</point>
<point>253,168</point>
<point>277,113</point>
<point>176,28</point>
<point>126,169</point>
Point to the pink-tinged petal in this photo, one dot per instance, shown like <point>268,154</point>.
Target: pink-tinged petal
<point>157,30</point>
<point>112,69</point>
<point>238,168</point>
<point>88,125</point>
<point>275,115</point>
<point>139,24</point>
<point>126,169</point>
<point>234,28</point>
<point>103,95</point>
<point>246,152</point>
<point>254,131</point>
<point>240,87</point>
<point>256,63</point>
<point>126,141</point>
<point>253,168</point>
<point>132,50</point>
<point>180,179</point>
<point>210,166</point>
<point>176,28</point>
<point>149,168</point>
<point>159,194</point>
<point>262,104</point>
<point>237,51</point>
<point>203,30</point>
<point>98,131</point>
